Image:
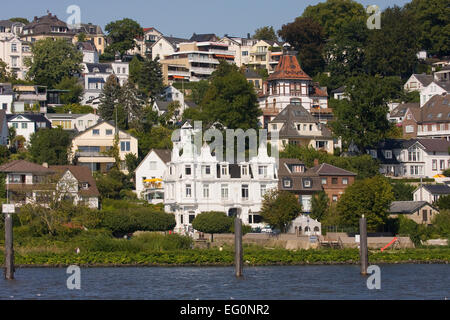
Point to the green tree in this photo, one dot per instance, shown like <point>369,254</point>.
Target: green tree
<point>230,100</point>
<point>149,79</point>
<point>392,49</point>
<point>279,208</point>
<point>212,222</point>
<point>50,145</point>
<point>332,15</point>
<point>402,191</point>
<point>75,90</point>
<point>344,52</point>
<point>306,36</point>
<point>5,75</point>
<point>158,137</point>
<point>52,61</point>
<point>369,197</point>
<point>198,90</point>
<point>110,184</point>
<point>441,223</point>
<point>135,69</point>
<point>362,119</point>
<point>21,20</point>
<point>122,35</point>
<point>319,206</point>
<point>433,21</point>
<point>109,98</point>
<point>265,33</point>
<point>443,203</point>
<point>131,102</point>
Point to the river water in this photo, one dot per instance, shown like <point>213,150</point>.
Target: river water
<point>401,281</point>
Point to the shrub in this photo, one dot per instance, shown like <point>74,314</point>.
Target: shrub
<point>122,221</point>
<point>212,222</point>
<point>441,223</point>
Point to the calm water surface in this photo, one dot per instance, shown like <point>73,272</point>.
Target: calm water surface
<point>259,283</point>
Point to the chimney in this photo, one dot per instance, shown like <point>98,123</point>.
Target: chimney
<point>45,165</point>
<point>316,162</point>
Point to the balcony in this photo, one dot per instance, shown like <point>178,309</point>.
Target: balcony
<point>202,60</point>
<point>200,70</point>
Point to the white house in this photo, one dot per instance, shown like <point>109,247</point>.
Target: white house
<point>196,182</point>
<point>6,97</point>
<point>412,158</point>
<point>434,88</point>
<point>26,124</point>
<point>149,174</point>
<point>95,76</point>
<point>417,82</point>
<point>13,52</point>
<point>431,192</point>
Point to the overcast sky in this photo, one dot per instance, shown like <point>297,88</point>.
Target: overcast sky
<point>179,18</point>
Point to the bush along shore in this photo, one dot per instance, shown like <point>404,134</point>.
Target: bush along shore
<point>253,256</point>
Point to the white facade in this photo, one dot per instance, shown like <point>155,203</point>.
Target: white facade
<point>68,121</point>
<point>429,91</point>
<point>24,127</point>
<point>151,168</point>
<point>69,185</point>
<point>304,225</point>
<point>161,48</point>
<point>414,161</point>
<point>197,182</point>
<point>13,52</point>
<point>425,193</point>
<point>6,97</point>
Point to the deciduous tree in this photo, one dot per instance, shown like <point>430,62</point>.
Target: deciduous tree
<point>279,208</point>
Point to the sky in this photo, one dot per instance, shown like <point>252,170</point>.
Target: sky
<point>179,18</point>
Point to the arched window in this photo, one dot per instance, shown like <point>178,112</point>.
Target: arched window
<point>307,229</point>
<point>316,229</point>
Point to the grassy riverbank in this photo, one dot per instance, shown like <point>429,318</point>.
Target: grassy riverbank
<point>256,256</point>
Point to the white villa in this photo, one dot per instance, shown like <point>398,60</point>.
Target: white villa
<point>197,181</point>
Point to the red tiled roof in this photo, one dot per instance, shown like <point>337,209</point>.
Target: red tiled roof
<point>288,68</point>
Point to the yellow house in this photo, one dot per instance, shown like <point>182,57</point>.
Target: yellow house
<point>90,148</point>
<point>94,34</point>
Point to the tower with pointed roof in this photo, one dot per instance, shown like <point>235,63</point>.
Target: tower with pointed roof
<point>289,84</point>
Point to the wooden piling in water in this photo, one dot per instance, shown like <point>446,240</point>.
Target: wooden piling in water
<point>9,249</point>
<point>238,255</point>
<point>363,250</point>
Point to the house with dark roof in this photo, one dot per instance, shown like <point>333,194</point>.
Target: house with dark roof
<point>28,182</point>
<point>397,115</point>
<point>432,120</point>
<point>413,158</point>
<point>25,124</point>
<point>295,177</point>
<point>48,26</point>
<point>6,97</point>
<point>95,75</point>
<point>204,37</point>
<point>431,192</point>
<point>295,125</point>
<point>417,82</point>
<point>149,174</point>
<point>421,212</point>
<point>78,184</point>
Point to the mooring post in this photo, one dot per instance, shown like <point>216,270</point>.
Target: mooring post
<point>238,257</point>
<point>9,249</point>
<point>363,251</point>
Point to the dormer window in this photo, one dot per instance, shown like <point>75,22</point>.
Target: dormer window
<point>287,183</point>
<point>96,69</point>
<point>244,170</point>
<point>296,168</point>
<point>262,171</point>
<point>206,170</point>
<point>84,185</point>
<point>307,183</point>
<point>388,154</point>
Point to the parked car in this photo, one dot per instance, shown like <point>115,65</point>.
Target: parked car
<point>266,229</point>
